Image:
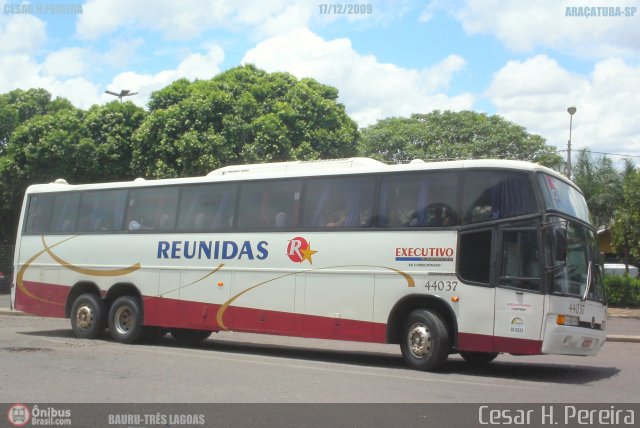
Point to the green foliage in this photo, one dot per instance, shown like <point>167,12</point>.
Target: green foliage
<point>626,225</point>
<point>48,139</point>
<point>601,184</point>
<point>453,135</point>
<point>18,106</point>
<point>622,291</point>
<point>110,127</point>
<point>243,115</point>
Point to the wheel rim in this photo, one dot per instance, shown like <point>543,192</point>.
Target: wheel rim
<point>419,340</point>
<point>84,317</point>
<point>123,320</point>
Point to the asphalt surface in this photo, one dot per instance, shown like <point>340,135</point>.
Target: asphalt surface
<point>623,325</point>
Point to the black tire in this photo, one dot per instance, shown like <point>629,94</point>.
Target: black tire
<point>88,316</point>
<point>125,320</point>
<point>189,337</point>
<point>478,358</point>
<point>425,341</point>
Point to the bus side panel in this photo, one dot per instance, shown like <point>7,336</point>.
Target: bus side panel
<point>474,311</point>
<point>333,303</point>
<point>269,308</point>
<point>40,298</point>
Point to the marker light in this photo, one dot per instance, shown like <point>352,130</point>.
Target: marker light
<point>455,299</point>
<point>567,320</point>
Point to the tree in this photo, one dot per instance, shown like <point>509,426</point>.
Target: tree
<point>18,106</point>
<point>56,140</point>
<point>453,135</point>
<point>243,115</point>
<point>601,184</point>
<point>111,127</point>
<point>43,148</point>
<point>626,224</point>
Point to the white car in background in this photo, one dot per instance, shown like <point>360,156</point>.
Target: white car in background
<point>619,269</point>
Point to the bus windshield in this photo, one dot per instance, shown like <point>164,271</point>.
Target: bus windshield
<point>562,197</point>
<point>577,271</point>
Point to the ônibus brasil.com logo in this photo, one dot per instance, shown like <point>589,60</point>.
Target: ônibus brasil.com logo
<point>19,415</point>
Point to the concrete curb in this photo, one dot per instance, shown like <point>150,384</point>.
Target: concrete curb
<point>10,312</point>
<point>620,338</point>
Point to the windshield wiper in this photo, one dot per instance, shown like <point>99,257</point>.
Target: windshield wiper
<point>588,288</point>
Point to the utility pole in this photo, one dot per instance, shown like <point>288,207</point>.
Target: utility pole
<point>571,111</point>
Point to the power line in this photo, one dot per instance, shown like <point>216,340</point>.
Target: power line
<point>605,153</point>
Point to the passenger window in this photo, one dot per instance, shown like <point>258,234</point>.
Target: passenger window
<point>39,213</point>
<point>269,205</point>
<point>65,212</point>
<point>491,195</point>
<point>102,211</point>
<point>152,208</point>
<point>339,203</point>
<point>521,264</point>
<point>424,200</point>
<point>475,256</point>
<point>207,207</point>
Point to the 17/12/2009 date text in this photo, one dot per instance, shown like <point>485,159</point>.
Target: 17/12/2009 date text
<point>346,8</point>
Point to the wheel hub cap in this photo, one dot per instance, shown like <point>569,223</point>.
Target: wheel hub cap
<point>124,320</point>
<point>84,317</point>
<point>419,340</point>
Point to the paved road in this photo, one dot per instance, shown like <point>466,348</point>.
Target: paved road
<point>43,362</point>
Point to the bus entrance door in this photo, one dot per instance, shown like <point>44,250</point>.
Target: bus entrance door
<point>519,303</point>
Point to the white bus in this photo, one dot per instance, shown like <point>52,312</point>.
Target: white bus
<point>471,257</point>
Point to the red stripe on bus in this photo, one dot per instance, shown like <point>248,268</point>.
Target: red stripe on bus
<point>164,312</point>
<point>488,343</point>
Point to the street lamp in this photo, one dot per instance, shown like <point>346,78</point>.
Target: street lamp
<point>123,93</point>
<point>571,111</point>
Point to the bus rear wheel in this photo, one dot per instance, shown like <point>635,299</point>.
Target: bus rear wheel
<point>88,316</point>
<point>425,341</point>
<point>189,337</point>
<point>478,358</point>
<point>125,320</point>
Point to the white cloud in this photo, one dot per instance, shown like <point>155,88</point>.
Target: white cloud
<point>21,33</point>
<point>194,66</point>
<point>369,89</point>
<point>188,18</point>
<point>121,52</point>
<point>537,92</point>
<point>523,26</point>
<point>67,62</point>
<point>21,71</point>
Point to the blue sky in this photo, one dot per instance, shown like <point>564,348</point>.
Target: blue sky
<point>527,61</point>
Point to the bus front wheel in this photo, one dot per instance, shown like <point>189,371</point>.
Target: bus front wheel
<point>87,316</point>
<point>125,320</point>
<point>425,341</point>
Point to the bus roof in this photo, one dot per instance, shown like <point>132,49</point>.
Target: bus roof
<point>357,165</point>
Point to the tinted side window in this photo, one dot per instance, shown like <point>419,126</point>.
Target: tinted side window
<point>65,213</point>
<point>269,205</point>
<point>339,202</point>
<point>424,199</point>
<point>492,195</point>
<point>521,264</point>
<point>152,208</point>
<point>38,213</point>
<point>102,211</point>
<point>207,207</point>
<point>475,256</point>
